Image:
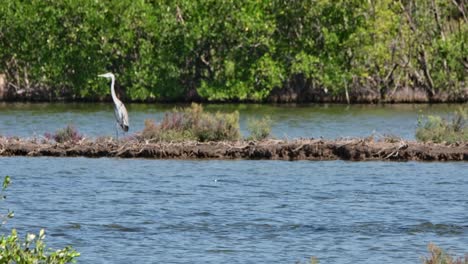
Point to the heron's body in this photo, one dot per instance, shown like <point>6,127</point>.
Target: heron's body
<point>121,115</point>
<point>120,111</point>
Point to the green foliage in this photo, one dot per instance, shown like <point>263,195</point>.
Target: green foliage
<point>439,256</point>
<point>193,124</point>
<point>437,129</point>
<point>230,50</point>
<point>67,134</point>
<point>6,182</point>
<point>259,128</point>
<point>33,248</point>
<point>10,214</point>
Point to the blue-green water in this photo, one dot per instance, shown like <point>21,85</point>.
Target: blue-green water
<point>289,121</point>
<point>172,211</point>
<point>166,211</point>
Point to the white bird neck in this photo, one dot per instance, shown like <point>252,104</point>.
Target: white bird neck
<point>114,96</point>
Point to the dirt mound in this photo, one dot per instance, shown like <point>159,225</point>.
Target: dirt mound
<point>303,149</point>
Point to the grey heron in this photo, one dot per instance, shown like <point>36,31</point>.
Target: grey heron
<point>120,111</point>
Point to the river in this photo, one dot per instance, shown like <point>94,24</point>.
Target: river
<point>172,211</point>
<point>289,121</point>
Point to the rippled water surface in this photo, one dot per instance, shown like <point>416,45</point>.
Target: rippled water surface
<point>168,211</point>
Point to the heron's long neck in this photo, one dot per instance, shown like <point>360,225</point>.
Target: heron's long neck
<point>114,97</point>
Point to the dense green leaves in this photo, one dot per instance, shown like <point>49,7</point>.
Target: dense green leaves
<point>33,250</point>
<point>230,50</point>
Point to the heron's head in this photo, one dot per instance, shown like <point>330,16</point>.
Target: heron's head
<point>107,75</point>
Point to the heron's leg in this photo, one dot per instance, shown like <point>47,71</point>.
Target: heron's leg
<point>117,131</point>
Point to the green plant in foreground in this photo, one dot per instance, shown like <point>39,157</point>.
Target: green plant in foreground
<point>259,128</point>
<point>32,249</point>
<point>10,214</point>
<point>437,129</point>
<point>439,256</point>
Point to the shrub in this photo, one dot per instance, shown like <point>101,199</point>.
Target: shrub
<point>69,133</point>
<point>32,249</point>
<point>193,124</point>
<point>259,128</point>
<point>437,129</point>
<point>156,132</point>
<point>438,256</point>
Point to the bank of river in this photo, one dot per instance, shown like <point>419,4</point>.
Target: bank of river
<point>304,149</point>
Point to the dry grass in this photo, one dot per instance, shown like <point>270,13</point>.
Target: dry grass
<point>193,123</point>
<point>438,256</point>
<point>67,134</point>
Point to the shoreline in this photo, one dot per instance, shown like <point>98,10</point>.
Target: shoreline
<point>285,95</point>
<point>359,149</point>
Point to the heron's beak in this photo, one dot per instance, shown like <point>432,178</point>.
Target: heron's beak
<point>101,75</point>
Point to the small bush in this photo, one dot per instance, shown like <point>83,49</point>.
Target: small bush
<point>193,124</point>
<point>33,250</point>
<point>437,129</point>
<point>157,132</point>
<point>438,256</point>
<point>69,133</point>
<point>259,128</point>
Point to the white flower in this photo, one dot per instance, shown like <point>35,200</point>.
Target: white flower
<point>30,237</point>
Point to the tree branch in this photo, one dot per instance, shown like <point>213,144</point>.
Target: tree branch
<point>461,8</point>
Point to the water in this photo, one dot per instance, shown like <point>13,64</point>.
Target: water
<point>289,121</point>
<point>170,211</point>
<point>167,211</point>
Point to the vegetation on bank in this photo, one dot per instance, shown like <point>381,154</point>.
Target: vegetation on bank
<point>193,123</point>
<point>184,124</point>
<point>33,248</point>
<point>259,128</point>
<point>439,256</point>
<point>69,133</point>
<point>233,50</point>
<point>437,129</point>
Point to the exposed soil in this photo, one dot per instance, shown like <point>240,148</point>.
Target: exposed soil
<point>303,149</point>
